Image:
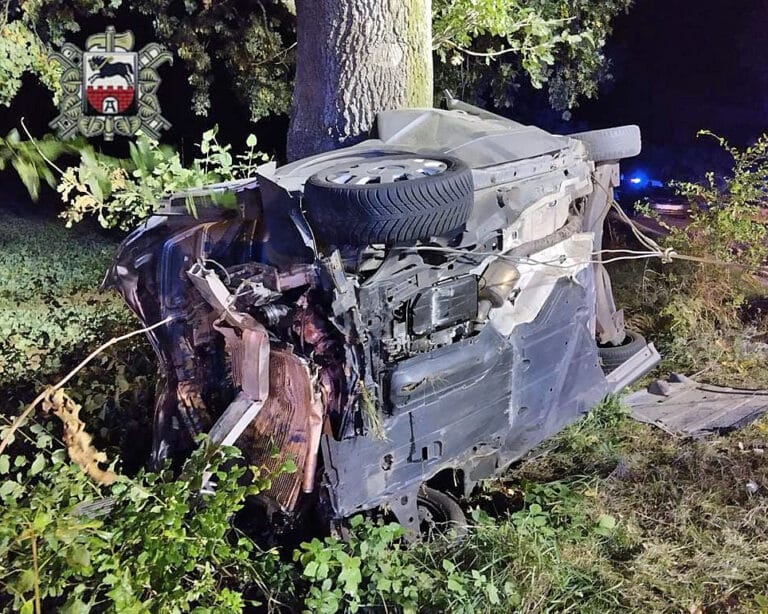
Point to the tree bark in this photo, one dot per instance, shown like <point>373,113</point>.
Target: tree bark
<point>355,58</point>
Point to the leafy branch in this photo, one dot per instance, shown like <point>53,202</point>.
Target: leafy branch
<point>122,192</point>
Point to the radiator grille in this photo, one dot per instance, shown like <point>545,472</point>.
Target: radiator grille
<point>281,429</point>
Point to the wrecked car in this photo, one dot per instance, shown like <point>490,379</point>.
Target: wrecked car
<point>403,317</point>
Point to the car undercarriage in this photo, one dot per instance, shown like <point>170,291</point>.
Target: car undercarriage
<point>418,310</point>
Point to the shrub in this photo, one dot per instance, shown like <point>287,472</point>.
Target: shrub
<point>695,309</point>
<point>728,223</point>
<point>121,193</point>
<point>158,545</point>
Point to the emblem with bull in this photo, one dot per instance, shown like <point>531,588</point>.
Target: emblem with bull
<point>109,88</point>
<point>103,67</point>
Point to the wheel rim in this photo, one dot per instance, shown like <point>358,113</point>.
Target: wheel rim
<point>386,171</point>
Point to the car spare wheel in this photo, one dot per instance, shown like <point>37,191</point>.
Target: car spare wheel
<point>389,199</point>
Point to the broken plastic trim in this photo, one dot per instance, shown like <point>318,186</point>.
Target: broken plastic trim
<point>633,369</point>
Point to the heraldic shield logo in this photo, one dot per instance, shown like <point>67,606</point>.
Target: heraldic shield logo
<point>110,89</point>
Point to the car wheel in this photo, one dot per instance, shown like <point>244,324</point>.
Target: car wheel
<point>613,356</point>
<point>389,199</point>
<point>611,144</point>
<point>439,513</point>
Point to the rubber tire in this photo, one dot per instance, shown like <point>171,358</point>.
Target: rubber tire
<point>453,516</point>
<point>389,213</point>
<point>613,356</point>
<point>611,144</point>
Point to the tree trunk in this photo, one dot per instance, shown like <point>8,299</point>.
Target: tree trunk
<point>355,58</point>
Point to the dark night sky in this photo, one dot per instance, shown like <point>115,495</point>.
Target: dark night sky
<point>681,66</point>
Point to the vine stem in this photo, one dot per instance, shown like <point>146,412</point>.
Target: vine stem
<point>40,151</point>
<point>36,572</point>
<point>19,421</point>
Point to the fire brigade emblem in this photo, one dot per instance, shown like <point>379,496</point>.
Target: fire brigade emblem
<point>110,89</point>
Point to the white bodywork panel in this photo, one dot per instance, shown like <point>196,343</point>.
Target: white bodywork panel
<point>538,277</point>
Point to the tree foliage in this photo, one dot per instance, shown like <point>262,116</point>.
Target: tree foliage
<point>28,159</point>
<point>21,51</point>
<point>487,48</point>
<point>483,48</point>
<point>122,192</point>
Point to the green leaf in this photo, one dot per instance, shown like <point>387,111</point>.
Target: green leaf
<point>493,594</point>
<point>79,557</point>
<point>455,586</point>
<point>38,465</point>
<point>322,571</point>
<point>75,606</point>
<point>25,581</point>
<point>311,569</point>
<point>351,577</point>
<point>606,521</point>
<point>11,489</point>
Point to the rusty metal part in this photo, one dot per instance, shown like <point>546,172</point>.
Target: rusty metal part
<point>248,351</point>
<point>249,357</point>
<point>316,336</point>
<point>316,419</point>
<point>285,419</point>
<point>282,426</point>
<point>255,363</point>
<point>234,421</point>
<point>192,408</point>
<point>216,294</point>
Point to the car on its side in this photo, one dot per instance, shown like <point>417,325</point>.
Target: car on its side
<point>403,318</point>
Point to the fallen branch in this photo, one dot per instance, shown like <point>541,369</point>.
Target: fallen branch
<point>19,421</point>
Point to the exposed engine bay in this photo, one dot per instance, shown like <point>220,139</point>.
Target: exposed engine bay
<point>429,302</point>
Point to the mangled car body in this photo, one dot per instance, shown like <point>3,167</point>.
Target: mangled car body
<point>427,303</point>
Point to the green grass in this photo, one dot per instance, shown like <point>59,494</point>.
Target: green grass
<point>689,534</point>
<point>52,314</point>
<point>50,303</point>
<point>610,516</point>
